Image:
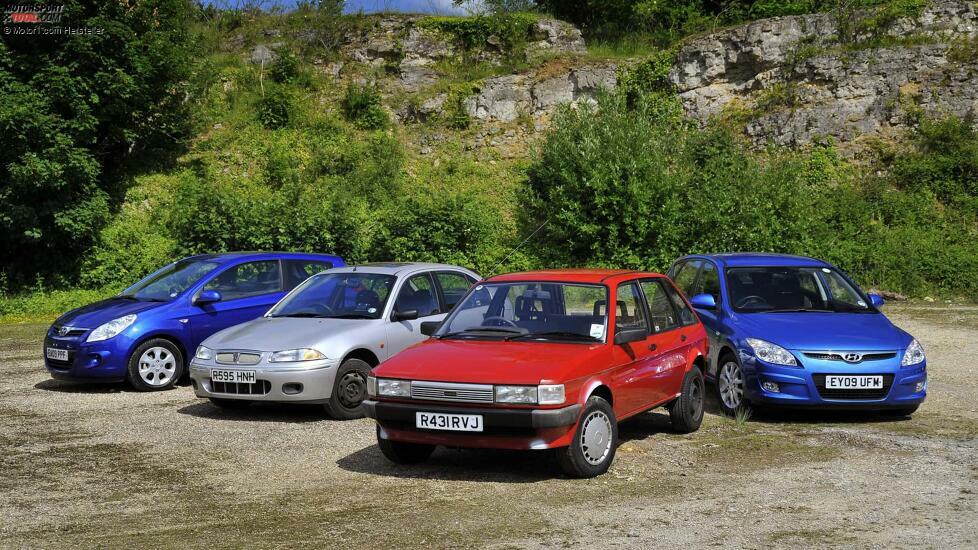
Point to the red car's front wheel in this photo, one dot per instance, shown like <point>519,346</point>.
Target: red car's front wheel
<point>595,441</point>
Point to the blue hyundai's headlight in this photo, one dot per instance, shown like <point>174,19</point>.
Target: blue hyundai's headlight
<point>112,328</point>
<point>772,353</point>
<point>913,355</point>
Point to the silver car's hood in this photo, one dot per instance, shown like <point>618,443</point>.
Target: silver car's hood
<point>279,333</point>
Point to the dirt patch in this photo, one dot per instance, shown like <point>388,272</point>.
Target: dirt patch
<point>106,466</point>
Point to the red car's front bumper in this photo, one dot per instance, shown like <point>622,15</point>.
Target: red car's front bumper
<point>503,428</point>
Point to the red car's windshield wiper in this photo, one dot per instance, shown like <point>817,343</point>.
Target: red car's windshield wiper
<point>505,330</point>
<point>555,333</point>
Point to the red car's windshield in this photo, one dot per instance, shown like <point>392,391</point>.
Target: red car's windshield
<point>530,311</point>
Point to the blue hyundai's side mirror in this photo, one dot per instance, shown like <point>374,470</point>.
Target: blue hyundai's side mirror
<point>703,301</point>
<point>876,300</point>
<point>207,297</point>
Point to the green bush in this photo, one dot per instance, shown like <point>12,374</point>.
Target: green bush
<point>275,110</point>
<point>361,105</point>
<point>638,187</point>
<point>286,67</point>
<point>509,31</point>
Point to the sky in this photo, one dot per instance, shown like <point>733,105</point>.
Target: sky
<point>443,7</point>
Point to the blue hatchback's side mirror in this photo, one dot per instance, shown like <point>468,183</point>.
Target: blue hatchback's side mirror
<point>876,300</point>
<point>703,301</point>
<point>207,297</point>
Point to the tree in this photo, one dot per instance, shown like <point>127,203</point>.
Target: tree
<point>75,111</point>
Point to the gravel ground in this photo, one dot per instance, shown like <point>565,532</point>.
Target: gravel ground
<point>106,466</point>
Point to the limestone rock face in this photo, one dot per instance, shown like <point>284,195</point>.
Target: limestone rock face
<point>800,83</point>
<point>552,35</point>
<point>505,98</point>
<point>262,55</point>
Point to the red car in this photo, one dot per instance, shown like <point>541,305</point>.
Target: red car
<point>535,361</point>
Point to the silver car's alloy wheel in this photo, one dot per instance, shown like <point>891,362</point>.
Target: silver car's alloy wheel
<point>596,437</point>
<point>731,385</point>
<point>157,366</point>
<point>352,389</point>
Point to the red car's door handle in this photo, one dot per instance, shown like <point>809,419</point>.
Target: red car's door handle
<point>683,337</point>
<point>652,347</point>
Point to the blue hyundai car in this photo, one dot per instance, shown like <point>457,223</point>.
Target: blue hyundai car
<point>145,333</point>
<point>796,331</point>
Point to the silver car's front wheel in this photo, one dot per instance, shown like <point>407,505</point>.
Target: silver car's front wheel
<point>730,385</point>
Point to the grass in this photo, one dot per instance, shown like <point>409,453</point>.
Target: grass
<point>624,47</point>
<point>45,305</point>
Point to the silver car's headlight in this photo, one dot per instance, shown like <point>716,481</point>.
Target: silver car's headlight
<point>516,394</point>
<point>393,388</point>
<point>772,353</point>
<point>204,353</point>
<point>112,328</point>
<point>293,355</point>
<point>913,355</point>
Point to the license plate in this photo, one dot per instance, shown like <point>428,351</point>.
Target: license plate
<point>854,382</point>
<point>452,422</point>
<point>56,354</point>
<point>236,376</point>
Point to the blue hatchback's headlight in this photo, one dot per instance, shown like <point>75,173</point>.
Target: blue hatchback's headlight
<point>913,355</point>
<point>112,328</point>
<point>772,353</point>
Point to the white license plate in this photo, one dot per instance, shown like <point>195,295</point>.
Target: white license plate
<point>56,354</point>
<point>452,422</point>
<point>854,382</point>
<point>236,376</point>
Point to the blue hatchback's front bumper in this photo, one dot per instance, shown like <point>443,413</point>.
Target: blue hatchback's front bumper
<point>104,361</point>
<point>804,385</point>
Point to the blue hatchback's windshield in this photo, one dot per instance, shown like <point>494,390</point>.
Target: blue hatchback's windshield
<point>347,295</point>
<point>167,283</point>
<point>789,289</point>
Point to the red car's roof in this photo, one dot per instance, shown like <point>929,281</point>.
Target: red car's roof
<point>574,275</point>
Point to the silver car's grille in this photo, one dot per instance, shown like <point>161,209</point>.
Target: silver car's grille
<point>441,391</point>
<point>849,356</point>
<point>237,358</point>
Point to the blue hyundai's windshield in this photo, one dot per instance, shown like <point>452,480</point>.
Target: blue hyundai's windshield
<point>167,283</point>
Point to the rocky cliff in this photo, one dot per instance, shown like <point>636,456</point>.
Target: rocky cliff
<point>799,79</point>
<point>787,80</point>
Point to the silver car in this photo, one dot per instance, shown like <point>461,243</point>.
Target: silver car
<point>318,344</point>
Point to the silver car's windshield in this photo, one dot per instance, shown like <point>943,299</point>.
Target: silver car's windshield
<point>168,282</point>
<point>347,295</point>
<point>791,289</point>
<point>532,311</point>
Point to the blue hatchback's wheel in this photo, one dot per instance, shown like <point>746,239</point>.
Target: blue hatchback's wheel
<point>730,386</point>
<point>155,365</point>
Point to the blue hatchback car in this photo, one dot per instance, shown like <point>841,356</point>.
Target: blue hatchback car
<point>796,331</point>
<point>145,333</point>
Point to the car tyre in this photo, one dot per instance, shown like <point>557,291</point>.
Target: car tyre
<point>349,390</point>
<point>686,412</point>
<point>901,411</point>
<point>400,452</point>
<point>730,388</point>
<point>595,441</point>
<point>155,365</point>
<point>230,403</point>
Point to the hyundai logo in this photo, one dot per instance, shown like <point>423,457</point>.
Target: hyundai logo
<point>853,357</point>
<point>63,331</point>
